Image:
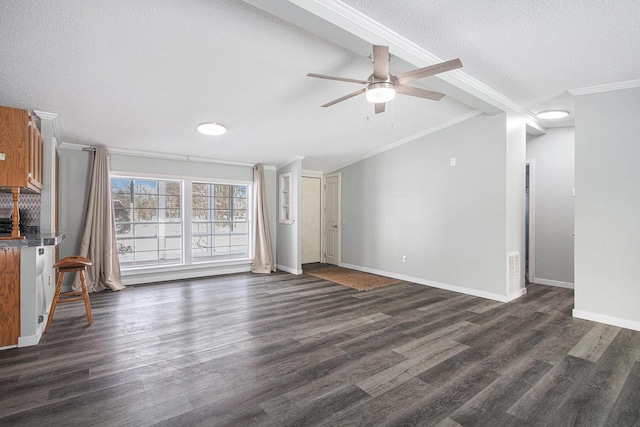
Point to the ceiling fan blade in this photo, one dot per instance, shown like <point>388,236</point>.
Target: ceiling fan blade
<point>431,70</point>
<point>379,107</point>
<point>344,98</point>
<point>421,93</point>
<point>340,79</point>
<point>380,62</point>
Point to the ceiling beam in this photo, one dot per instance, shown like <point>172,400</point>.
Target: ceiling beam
<point>345,26</point>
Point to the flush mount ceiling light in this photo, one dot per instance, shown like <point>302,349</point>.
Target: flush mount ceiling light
<point>211,128</point>
<point>552,114</point>
<point>380,92</point>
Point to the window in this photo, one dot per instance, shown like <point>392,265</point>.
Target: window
<point>148,221</point>
<point>220,225</point>
<point>153,229</point>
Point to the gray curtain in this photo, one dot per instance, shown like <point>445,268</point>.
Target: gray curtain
<point>263,261</point>
<point>99,237</point>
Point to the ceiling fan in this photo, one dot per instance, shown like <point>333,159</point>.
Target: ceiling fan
<point>382,86</point>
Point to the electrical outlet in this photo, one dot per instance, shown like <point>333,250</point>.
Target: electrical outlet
<point>404,258</point>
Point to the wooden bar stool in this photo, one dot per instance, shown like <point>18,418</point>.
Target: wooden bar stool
<point>68,265</point>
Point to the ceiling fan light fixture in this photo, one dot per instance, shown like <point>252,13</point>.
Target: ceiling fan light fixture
<point>380,92</point>
<point>211,128</point>
<point>552,114</point>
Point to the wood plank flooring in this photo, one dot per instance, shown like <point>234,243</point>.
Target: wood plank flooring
<point>281,350</point>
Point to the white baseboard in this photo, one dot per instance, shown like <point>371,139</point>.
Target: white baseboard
<point>548,282</point>
<point>7,347</point>
<point>516,294</point>
<point>421,281</point>
<point>609,320</point>
<point>29,340</point>
<point>141,276</point>
<point>289,269</point>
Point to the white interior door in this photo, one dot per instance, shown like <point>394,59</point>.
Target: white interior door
<point>332,220</point>
<point>311,222</point>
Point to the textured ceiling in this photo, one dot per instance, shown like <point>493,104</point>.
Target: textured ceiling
<point>140,75</point>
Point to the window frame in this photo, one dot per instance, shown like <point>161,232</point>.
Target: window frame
<point>187,259</point>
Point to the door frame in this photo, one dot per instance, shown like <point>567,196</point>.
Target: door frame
<point>339,218</point>
<point>532,220</point>
<point>314,174</point>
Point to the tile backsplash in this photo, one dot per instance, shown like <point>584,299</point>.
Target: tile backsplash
<point>29,205</point>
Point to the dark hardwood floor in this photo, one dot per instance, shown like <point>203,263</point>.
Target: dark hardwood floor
<point>281,350</point>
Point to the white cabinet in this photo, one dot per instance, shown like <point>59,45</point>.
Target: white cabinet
<point>37,286</point>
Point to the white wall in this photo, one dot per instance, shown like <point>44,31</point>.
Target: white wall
<point>607,204</point>
<point>554,168</point>
<point>289,242</point>
<point>516,147</point>
<point>451,222</point>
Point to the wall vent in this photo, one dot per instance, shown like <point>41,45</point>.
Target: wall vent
<point>513,272</point>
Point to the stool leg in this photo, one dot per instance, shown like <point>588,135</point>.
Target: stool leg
<point>85,295</point>
<point>55,301</point>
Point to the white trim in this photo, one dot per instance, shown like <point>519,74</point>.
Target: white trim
<point>53,118</point>
<point>7,347</point>
<point>179,272</point>
<point>555,283</point>
<point>289,161</point>
<point>413,137</point>
<point>156,155</point>
<point>421,281</point>
<point>158,176</point>
<point>297,272</point>
<point>609,320</point>
<point>312,174</point>
<point>29,340</point>
<point>630,84</point>
<point>532,219</point>
<point>366,28</point>
<point>339,220</point>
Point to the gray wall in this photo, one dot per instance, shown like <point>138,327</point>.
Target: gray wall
<point>452,222</point>
<point>75,177</point>
<point>554,159</point>
<point>74,180</point>
<point>607,220</point>
<point>289,249</point>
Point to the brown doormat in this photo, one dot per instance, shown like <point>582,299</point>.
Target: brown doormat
<point>354,279</point>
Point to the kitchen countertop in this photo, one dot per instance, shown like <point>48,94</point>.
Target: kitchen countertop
<point>32,240</point>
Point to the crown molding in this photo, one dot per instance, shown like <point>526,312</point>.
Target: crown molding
<point>413,137</point>
<point>154,155</point>
<point>630,84</point>
<point>53,118</point>
<point>290,160</point>
<point>360,25</point>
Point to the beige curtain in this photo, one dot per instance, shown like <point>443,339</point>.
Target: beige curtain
<point>99,237</point>
<point>263,261</point>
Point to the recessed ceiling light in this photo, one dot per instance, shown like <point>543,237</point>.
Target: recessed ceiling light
<point>552,114</point>
<point>211,128</point>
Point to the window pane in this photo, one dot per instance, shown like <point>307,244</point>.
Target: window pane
<point>148,221</point>
<point>240,191</point>
<point>222,227</point>
<point>240,227</point>
<point>219,205</point>
<point>221,215</point>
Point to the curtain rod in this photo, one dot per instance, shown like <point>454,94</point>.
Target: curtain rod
<point>89,148</point>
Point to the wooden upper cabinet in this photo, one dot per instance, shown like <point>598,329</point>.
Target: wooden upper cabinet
<point>20,150</point>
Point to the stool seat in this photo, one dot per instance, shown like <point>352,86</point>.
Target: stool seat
<point>68,265</point>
